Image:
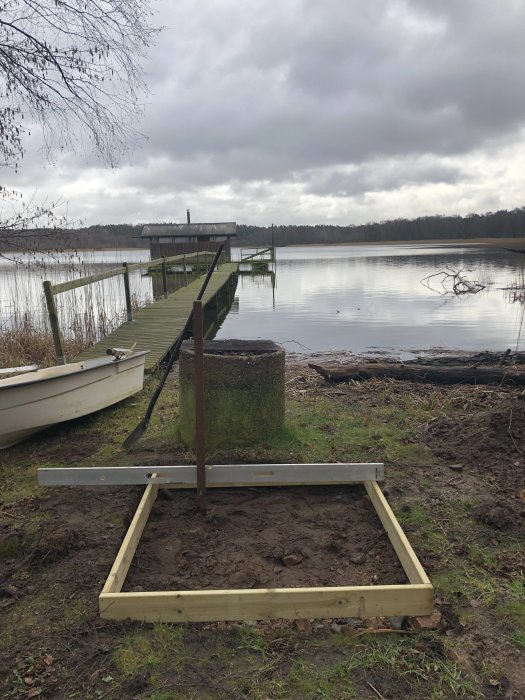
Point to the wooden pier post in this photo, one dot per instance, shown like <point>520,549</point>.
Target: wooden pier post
<point>164,278</point>
<point>53,322</point>
<point>127,292</point>
<point>200,446</point>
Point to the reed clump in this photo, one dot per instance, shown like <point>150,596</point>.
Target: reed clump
<point>27,343</point>
<point>85,315</point>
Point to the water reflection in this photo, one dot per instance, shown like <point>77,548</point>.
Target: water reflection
<point>362,297</point>
<point>21,291</point>
<point>320,297</point>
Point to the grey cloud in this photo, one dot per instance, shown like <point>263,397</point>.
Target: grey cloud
<point>340,97</point>
<point>383,176</point>
<point>339,82</point>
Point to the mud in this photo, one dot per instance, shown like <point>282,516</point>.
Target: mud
<point>278,538</point>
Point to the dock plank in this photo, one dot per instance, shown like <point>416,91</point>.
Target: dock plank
<point>157,326</point>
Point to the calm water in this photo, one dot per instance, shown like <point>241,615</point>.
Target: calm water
<point>362,298</point>
<point>21,288</point>
<point>354,298</point>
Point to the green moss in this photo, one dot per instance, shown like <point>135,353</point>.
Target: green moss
<point>21,618</point>
<point>18,480</point>
<point>243,397</point>
<point>152,650</point>
<point>319,681</point>
<point>134,653</point>
<point>10,547</point>
<point>76,612</point>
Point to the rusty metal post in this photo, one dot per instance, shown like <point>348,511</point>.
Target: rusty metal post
<point>200,446</point>
<point>53,322</point>
<point>127,292</point>
<point>164,278</point>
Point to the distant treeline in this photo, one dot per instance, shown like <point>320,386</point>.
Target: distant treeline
<point>500,224</point>
<point>92,237</point>
<point>108,236</point>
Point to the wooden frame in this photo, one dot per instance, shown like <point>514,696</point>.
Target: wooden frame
<point>414,598</point>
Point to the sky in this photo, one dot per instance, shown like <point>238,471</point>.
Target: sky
<point>309,112</point>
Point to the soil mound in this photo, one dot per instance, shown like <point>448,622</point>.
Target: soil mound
<point>491,442</point>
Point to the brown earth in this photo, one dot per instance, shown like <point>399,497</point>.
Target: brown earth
<point>282,537</point>
<point>296,537</point>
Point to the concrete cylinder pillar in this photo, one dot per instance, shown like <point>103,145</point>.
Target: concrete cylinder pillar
<point>243,392</point>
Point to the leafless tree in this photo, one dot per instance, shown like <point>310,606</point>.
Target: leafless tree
<point>65,63</point>
<point>27,227</point>
<point>70,68</point>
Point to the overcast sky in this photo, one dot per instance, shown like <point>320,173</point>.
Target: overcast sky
<point>310,111</point>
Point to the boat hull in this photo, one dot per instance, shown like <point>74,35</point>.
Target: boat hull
<point>35,401</point>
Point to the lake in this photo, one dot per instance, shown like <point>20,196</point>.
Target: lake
<point>362,298</point>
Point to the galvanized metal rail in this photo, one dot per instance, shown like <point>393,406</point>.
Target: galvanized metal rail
<point>217,475</point>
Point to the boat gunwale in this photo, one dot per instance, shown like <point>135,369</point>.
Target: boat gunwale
<point>94,363</point>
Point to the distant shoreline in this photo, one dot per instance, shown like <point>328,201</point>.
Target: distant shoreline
<point>489,242</point>
<point>501,242</point>
<point>495,242</point>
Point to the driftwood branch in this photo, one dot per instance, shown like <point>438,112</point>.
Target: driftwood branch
<point>422,373</point>
<point>452,282</point>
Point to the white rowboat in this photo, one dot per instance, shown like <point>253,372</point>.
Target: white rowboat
<point>36,400</point>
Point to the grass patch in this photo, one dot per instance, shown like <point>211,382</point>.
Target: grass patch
<point>336,666</point>
<point>151,651</point>
<point>512,611</point>
<point>318,430</point>
<point>471,584</point>
<point>167,661</point>
<point>427,673</point>
<point>427,532</point>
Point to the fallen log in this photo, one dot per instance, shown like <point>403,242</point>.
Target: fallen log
<point>484,357</point>
<point>422,373</point>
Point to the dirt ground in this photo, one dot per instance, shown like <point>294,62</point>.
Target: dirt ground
<point>279,538</point>
<point>454,477</point>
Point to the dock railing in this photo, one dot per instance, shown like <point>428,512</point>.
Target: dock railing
<point>51,290</point>
<point>258,254</point>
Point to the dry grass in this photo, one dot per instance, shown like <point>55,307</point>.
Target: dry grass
<point>85,315</point>
<point>26,344</point>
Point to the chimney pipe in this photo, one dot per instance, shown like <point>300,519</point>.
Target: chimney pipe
<point>188,216</point>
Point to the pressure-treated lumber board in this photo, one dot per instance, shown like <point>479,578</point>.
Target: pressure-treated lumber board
<point>268,603</point>
<point>120,568</point>
<point>217,475</point>
<point>398,539</point>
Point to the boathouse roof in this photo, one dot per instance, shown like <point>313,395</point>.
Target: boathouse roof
<point>224,229</point>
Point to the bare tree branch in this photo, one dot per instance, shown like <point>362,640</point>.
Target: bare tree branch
<point>70,67</point>
<point>69,64</point>
<point>453,282</point>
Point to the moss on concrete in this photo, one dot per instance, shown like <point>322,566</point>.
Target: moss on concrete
<point>243,392</point>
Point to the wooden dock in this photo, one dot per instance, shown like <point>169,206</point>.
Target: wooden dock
<point>157,326</point>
